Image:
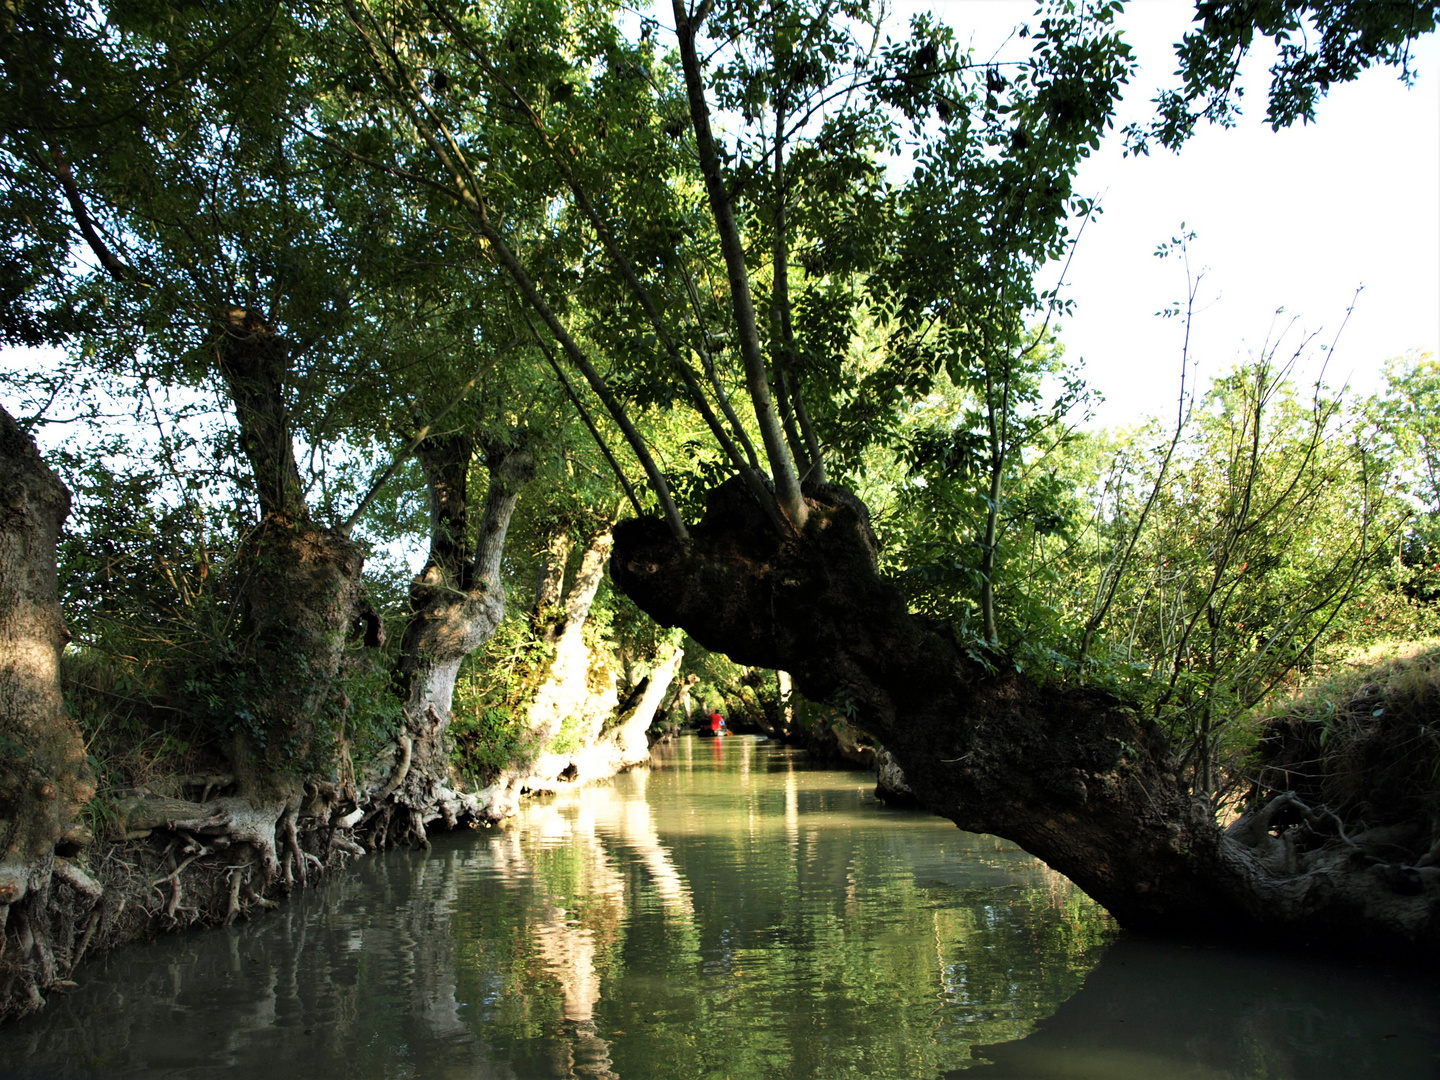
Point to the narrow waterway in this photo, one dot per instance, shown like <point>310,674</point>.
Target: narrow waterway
<point>731,912</point>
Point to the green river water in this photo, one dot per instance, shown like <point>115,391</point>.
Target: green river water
<point>731,912</point>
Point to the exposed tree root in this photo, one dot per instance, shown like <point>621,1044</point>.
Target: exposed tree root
<point>237,879</point>
<point>185,864</point>
<point>256,898</point>
<point>91,925</point>
<point>68,873</point>
<point>402,769</point>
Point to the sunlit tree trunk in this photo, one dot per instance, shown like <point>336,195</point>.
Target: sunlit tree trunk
<point>44,778</point>
<point>617,743</point>
<point>456,604</point>
<point>787,700</point>
<point>567,691</point>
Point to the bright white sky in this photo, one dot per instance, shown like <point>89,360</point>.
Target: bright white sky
<point>1297,220</point>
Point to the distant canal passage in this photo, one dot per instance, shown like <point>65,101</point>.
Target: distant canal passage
<point>732,912</point>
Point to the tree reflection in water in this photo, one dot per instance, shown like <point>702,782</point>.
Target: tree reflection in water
<point>582,917</point>
<point>731,912</point>
<point>771,920</point>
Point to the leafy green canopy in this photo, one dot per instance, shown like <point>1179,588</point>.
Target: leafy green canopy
<point>824,241</point>
<point>792,207</point>
<point>166,171</point>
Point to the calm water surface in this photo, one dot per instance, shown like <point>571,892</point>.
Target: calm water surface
<point>733,912</point>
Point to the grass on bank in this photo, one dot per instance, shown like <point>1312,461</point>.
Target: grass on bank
<point>1364,739</point>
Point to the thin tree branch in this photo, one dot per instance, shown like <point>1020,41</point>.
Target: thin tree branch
<point>447,150</point>
<point>113,265</point>
<point>562,158</point>
<point>708,362</point>
<point>349,523</point>
<point>782,466</point>
<point>584,416</point>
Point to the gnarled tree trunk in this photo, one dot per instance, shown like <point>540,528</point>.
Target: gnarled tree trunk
<point>571,690</point>
<point>297,591</point>
<point>456,605</point>
<point>44,779</point>
<point>297,596</point>
<point>1071,774</point>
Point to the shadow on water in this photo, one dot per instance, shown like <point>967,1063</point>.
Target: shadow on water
<point>1155,1009</point>
<point>733,912</point>
<point>327,986</point>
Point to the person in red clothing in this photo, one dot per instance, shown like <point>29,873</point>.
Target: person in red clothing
<point>717,724</point>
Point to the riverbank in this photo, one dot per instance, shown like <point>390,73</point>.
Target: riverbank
<point>184,865</point>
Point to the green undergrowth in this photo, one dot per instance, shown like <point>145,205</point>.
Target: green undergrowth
<point>133,737</point>
<point>375,714</point>
<point>150,712</point>
<point>1406,674</point>
<point>491,692</point>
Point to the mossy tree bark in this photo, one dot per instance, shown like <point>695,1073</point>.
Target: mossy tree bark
<point>546,616</point>
<point>1076,777</point>
<point>44,778</point>
<point>297,585</point>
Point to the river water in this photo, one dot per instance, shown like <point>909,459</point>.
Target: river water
<point>731,912</point>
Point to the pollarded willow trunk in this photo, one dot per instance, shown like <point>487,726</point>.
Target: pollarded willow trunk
<point>297,586</point>
<point>1071,774</point>
<point>44,779</point>
<point>297,596</point>
<point>574,690</point>
<point>456,604</point>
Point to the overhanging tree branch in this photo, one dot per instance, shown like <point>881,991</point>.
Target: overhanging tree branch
<point>585,416</point>
<point>782,466</point>
<point>562,159</point>
<point>443,144</point>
